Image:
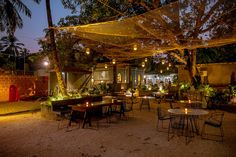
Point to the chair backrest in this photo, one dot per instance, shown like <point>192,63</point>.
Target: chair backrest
<point>195,95</point>
<point>218,117</point>
<point>129,104</point>
<point>160,112</point>
<point>174,105</point>
<point>197,105</point>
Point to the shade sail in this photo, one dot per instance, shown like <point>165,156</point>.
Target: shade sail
<point>181,25</point>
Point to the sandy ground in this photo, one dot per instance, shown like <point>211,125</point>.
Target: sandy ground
<point>30,135</point>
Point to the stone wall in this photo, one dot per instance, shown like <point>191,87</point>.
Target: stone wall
<point>26,84</point>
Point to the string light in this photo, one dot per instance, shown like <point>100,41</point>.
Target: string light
<point>163,61</point>
<point>87,51</point>
<point>113,61</point>
<point>135,47</point>
<point>143,64</point>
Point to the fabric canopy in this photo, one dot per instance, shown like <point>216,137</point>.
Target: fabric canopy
<point>181,25</point>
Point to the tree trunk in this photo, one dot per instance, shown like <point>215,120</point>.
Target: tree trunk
<point>53,49</point>
<point>193,62</point>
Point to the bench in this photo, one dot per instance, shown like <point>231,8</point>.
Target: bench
<point>61,106</point>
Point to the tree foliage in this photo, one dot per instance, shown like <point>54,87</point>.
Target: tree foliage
<point>10,11</point>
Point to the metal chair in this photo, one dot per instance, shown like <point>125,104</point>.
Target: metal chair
<point>215,120</point>
<point>162,116</point>
<point>128,106</point>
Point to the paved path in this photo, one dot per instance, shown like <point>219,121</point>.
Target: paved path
<point>7,108</point>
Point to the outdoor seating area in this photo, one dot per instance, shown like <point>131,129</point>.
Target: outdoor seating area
<point>137,136</point>
<point>102,78</point>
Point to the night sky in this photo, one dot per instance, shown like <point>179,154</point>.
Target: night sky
<point>33,28</point>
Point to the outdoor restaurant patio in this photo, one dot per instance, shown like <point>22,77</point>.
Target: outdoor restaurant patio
<point>140,85</point>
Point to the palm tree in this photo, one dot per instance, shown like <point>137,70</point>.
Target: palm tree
<point>11,47</point>
<point>10,18</point>
<point>53,49</point>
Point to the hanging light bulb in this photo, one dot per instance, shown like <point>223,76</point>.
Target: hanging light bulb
<point>135,47</point>
<point>113,61</point>
<point>143,64</point>
<point>105,66</point>
<point>146,59</point>
<point>87,51</point>
<point>161,71</point>
<point>163,61</point>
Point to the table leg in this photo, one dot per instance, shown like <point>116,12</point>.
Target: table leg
<point>87,119</point>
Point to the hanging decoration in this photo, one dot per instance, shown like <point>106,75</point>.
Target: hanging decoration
<point>163,61</point>
<point>143,64</point>
<point>113,61</point>
<point>135,47</point>
<point>87,51</point>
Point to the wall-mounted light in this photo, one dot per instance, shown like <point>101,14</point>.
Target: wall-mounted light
<point>87,51</point>
<point>45,63</point>
<point>135,47</point>
<point>113,61</point>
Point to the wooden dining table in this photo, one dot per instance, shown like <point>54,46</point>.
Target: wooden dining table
<point>88,108</point>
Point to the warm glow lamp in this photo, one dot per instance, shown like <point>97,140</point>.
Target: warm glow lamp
<point>105,66</point>
<point>45,63</point>
<point>87,51</point>
<point>113,61</point>
<point>163,61</point>
<point>135,47</point>
<point>143,64</point>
